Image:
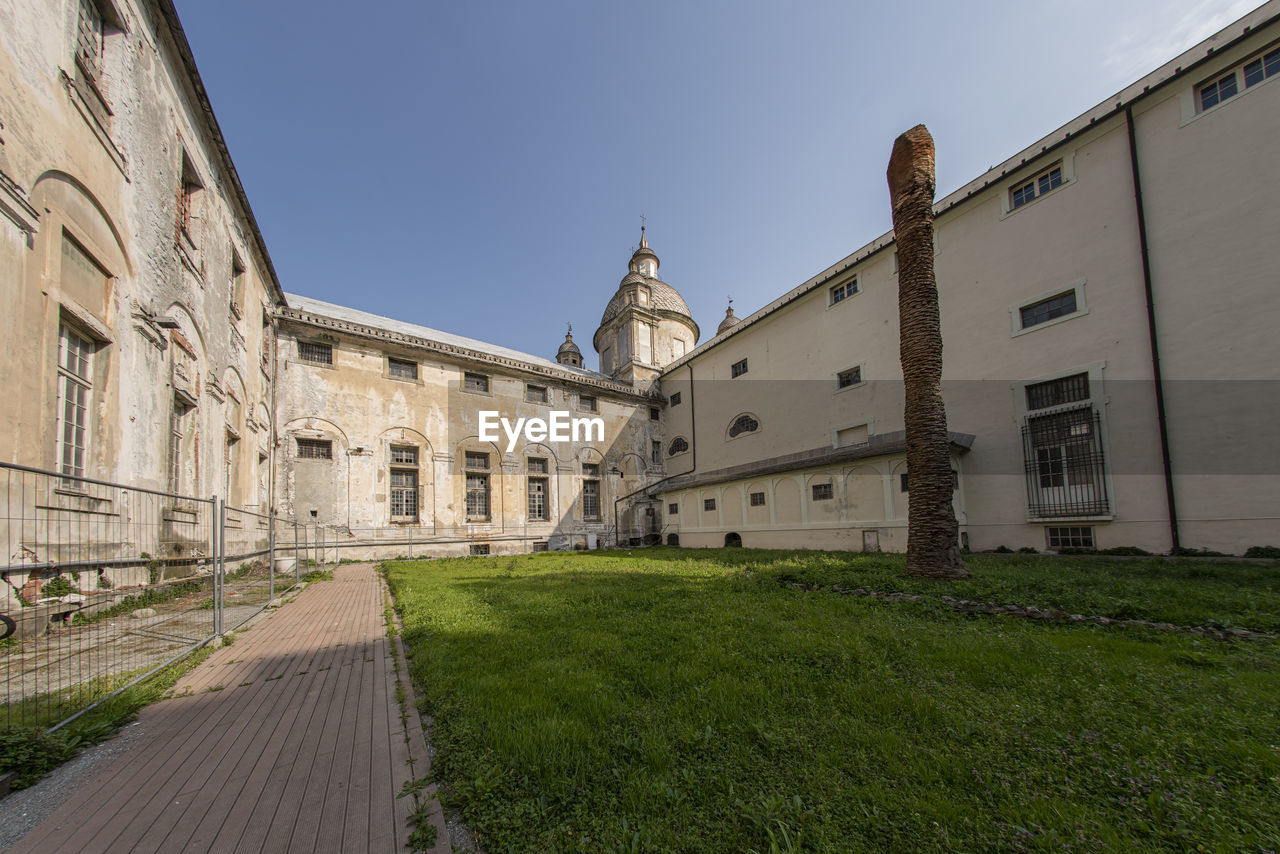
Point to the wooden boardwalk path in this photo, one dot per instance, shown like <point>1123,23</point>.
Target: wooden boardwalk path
<point>291,739</point>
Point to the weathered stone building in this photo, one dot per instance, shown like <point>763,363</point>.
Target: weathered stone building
<point>1109,372</point>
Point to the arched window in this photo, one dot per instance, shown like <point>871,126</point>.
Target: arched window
<point>678,446</point>
<point>743,424</point>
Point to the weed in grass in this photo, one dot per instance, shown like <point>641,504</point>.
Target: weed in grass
<point>318,575</point>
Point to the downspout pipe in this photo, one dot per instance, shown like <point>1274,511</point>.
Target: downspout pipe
<point>1152,336</point>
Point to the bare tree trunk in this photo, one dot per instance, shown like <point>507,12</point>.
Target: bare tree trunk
<point>933,548</point>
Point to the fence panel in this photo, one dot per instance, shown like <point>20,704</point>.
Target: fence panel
<point>103,584</point>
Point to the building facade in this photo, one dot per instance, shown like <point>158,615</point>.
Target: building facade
<point>1110,375</point>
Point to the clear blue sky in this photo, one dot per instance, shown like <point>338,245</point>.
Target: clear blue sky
<point>481,168</point>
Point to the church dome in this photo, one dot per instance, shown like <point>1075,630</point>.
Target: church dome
<point>662,297</point>
<point>730,320</point>
<point>569,354</point>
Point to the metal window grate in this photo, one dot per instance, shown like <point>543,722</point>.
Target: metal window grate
<point>317,354</point>
<point>1064,390</point>
<point>315,449</point>
<point>673,509</point>
<point>89,38</point>
<point>591,500</point>
<point>678,446</point>
<point>708,504</point>
<point>477,496</point>
<point>757,499</point>
<point>1064,463</point>
<point>1071,537</point>
<point>674,400</point>
<point>480,550</point>
<point>822,492</point>
<point>743,424</point>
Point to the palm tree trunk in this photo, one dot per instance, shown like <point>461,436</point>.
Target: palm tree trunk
<point>933,548</point>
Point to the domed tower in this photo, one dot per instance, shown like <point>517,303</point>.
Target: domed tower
<point>730,320</point>
<point>646,325</point>
<point>569,354</point>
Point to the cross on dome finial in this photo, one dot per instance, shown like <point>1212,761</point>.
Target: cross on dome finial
<point>644,241</point>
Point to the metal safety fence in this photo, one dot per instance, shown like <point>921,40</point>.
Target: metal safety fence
<point>104,584</point>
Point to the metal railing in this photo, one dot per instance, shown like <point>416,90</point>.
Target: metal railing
<point>106,583</point>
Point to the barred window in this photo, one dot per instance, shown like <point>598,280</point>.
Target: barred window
<point>538,498</point>
<point>591,500</point>
<point>853,376</point>
<point>743,424</point>
<point>654,414</point>
<point>402,369</point>
<point>738,368</point>
<point>822,492</point>
<point>1058,392</point>
<point>535,393</point>
<point>678,446</point>
<point>757,499</point>
<point>708,504</point>
<point>1072,537</point>
<point>674,400</point>
<point>89,38</point>
<point>673,509</point>
<point>315,449</point>
<point>477,496</point>
<point>537,465</point>
<point>476,460</point>
<point>479,549</point>
<point>1064,463</point>
<point>475,382</point>
<point>316,354</point>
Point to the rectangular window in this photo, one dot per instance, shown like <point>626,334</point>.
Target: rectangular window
<point>1037,186</point>
<point>475,382</point>
<point>315,449</point>
<point>675,398</point>
<point>587,402</point>
<point>591,500</point>
<point>401,369</point>
<point>480,550</point>
<point>535,393</point>
<point>537,465</point>
<point>232,469</point>
<point>590,469</point>
<point>476,460</point>
<point>75,383</point>
<point>404,455</point>
<point>708,504</point>
<point>673,509</point>
<point>842,292</point>
<point>237,284</point>
<point>1048,309</point>
<point>538,498</point>
<point>1064,390</point>
<point>404,494</point>
<point>89,38</point>
<point>1072,537</point>
<point>655,452</point>
<point>540,545</point>
<point>316,354</point>
<point>853,376</point>
<point>1064,463</point>
<point>1262,68</point>
<point>477,497</point>
<point>822,491</point>
<point>737,369</point>
<point>1216,91</point>
<point>757,499</point>
<point>654,414</point>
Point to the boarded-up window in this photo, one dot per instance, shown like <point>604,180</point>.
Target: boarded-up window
<point>81,277</point>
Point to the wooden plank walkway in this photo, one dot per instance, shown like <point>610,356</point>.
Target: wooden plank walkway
<point>291,739</point>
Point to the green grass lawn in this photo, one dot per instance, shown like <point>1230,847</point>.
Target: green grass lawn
<point>668,700</point>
